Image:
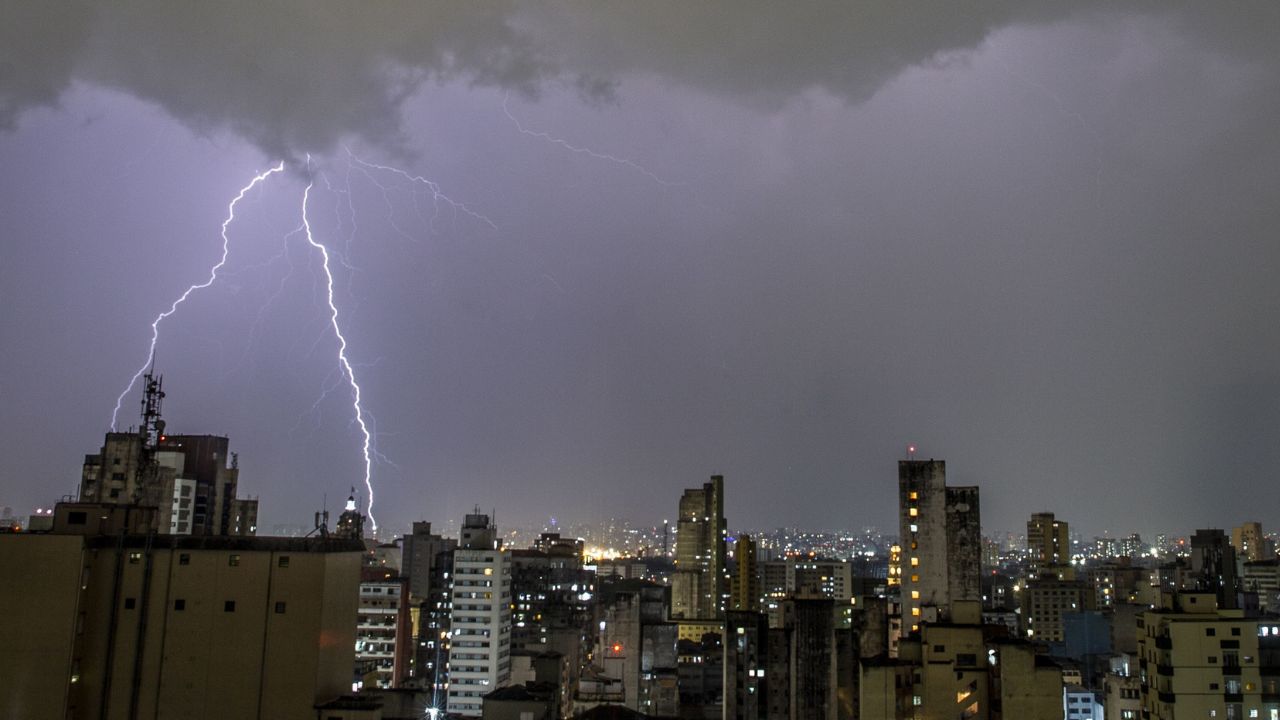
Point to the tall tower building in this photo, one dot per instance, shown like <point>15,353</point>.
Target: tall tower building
<point>191,479</point>
<point>480,618</point>
<point>1251,544</point>
<point>698,585</point>
<point>744,593</point>
<point>1049,547</point>
<point>941,533</point>
<point>1213,567</point>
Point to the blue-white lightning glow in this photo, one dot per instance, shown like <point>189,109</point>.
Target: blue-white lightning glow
<point>347,370</point>
<point>580,150</point>
<point>213,276</point>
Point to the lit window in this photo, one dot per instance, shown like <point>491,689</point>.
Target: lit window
<point>913,512</point>
<point>915,612</point>
<point>913,495</point>
<point>915,594</point>
<point>233,560</point>
<point>915,562</point>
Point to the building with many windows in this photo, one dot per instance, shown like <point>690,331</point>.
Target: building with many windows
<point>699,586</point>
<point>1197,660</point>
<point>479,618</point>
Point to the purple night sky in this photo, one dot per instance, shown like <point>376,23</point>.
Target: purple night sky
<point>1039,240</point>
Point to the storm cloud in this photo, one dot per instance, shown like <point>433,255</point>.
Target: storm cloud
<point>1035,239</point>
<point>297,77</point>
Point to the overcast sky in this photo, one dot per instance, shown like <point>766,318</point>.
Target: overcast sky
<point>650,242</point>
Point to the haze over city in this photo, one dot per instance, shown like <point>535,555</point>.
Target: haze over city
<point>583,261</point>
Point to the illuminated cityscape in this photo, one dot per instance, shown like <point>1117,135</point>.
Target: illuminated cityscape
<point>715,360</point>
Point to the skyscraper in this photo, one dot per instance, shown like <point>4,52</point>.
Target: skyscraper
<point>480,645</point>
<point>1049,547</point>
<point>698,584</point>
<point>191,479</point>
<point>941,535</point>
<point>745,591</point>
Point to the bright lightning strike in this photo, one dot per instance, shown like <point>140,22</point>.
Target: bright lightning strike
<point>347,370</point>
<point>213,276</point>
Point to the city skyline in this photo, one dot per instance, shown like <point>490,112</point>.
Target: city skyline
<point>586,260</point>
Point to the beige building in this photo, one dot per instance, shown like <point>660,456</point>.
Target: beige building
<point>151,626</point>
<point>1251,544</point>
<point>1049,547</point>
<point>961,669</point>
<point>1046,600</point>
<point>1204,662</point>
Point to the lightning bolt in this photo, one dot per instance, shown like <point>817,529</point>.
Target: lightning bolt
<point>580,150</point>
<point>347,370</point>
<point>213,276</point>
<point>434,188</point>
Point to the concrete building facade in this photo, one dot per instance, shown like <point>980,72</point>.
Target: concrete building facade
<point>941,535</point>
<point>699,585</point>
<point>149,625</point>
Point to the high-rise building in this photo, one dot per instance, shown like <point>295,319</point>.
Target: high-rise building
<point>745,591</point>
<point>1251,544</point>
<point>1045,602</point>
<point>384,641</point>
<point>961,669</point>
<point>941,539</point>
<point>552,596</point>
<point>698,585</point>
<point>191,479</point>
<point>746,637</point>
<point>1202,661</point>
<point>1048,547</point>
<point>480,617</point>
<point>427,558</point>
<point>119,621</point>
<point>1213,567</point>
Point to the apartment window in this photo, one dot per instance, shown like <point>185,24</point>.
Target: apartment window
<point>77,517</point>
<point>280,608</point>
<point>283,561</point>
<point>1235,631</point>
<point>1210,632</point>
<point>130,603</point>
<point>184,559</point>
<point>233,560</point>
<point>179,604</point>
<point>135,558</point>
<point>229,606</point>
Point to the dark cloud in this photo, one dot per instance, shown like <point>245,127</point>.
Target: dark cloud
<point>296,77</point>
<point>1035,238</point>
